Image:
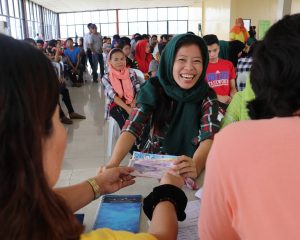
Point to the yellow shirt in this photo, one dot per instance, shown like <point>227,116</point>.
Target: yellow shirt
<point>238,36</point>
<point>108,234</point>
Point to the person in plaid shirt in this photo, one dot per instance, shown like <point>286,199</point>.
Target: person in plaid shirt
<point>178,105</point>
<point>244,66</point>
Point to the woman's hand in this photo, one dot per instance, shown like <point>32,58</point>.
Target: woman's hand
<point>185,166</point>
<point>173,179</point>
<point>112,179</point>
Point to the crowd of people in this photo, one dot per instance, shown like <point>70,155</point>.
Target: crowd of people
<point>251,180</point>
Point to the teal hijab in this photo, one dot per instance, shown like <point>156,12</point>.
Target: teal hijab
<point>185,121</point>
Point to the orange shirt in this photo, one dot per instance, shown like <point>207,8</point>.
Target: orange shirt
<point>252,182</point>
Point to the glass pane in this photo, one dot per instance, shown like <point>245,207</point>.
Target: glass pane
<point>19,29</point>
<point>33,12</point>
<point>133,28</point>
<point>4,8</point>
<point>112,29</point>
<point>79,30</point>
<point>112,17</point>
<point>172,13</point>
<point>152,28</point>
<point>13,30</point>
<point>71,31</point>
<point>195,13</point>
<point>123,29</point>
<point>86,17</point>
<point>63,19</point>
<point>152,14</point>
<point>183,13</point>
<point>162,13</point>
<point>78,18</point>
<point>122,15</point>
<point>63,32</point>
<point>95,17</point>
<point>70,18</point>
<point>103,17</point>
<point>142,14</point>
<point>132,15</point>
<point>142,27</point>
<point>30,13</point>
<point>182,27</point>
<point>20,8</point>
<point>172,27</point>
<point>162,28</point>
<point>11,8</point>
<point>16,4</point>
<point>104,30</point>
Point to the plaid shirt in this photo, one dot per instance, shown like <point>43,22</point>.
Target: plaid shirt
<point>110,92</point>
<point>140,118</point>
<point>243,69</point>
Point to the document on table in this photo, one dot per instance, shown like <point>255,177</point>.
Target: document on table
<point>188,229</point>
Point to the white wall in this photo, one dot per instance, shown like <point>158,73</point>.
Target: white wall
<point>216,18</point>
<point>295,6</point>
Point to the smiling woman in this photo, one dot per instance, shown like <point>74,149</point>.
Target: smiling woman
<point>179,107</point>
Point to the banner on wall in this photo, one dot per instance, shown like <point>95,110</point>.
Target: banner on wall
<point>263,26</point>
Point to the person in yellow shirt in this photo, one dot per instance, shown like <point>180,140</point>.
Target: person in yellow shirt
<point>239,32</point>
<point>33,144</point>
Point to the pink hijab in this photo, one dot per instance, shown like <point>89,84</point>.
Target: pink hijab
<point>121,82</point>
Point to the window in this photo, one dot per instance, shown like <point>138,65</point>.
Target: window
<point>63,31</point>
<point>157,27</point>
<point>172,13</point>
<point>16,4</point>
<point>132,15</point>
<point>122,16</point>
<point>11,8</point>
<point>112,29</point>
<point>79,30</point>
<point>95,17</point>
<point>152,14</point>
<point>112,16</point>
<point>162,14</point>
<point>183,13</point>
<point>63,19</point>
<point>172,20</point>
<point>123,29</point>
<point>142,14</point>
<point>4,7</point>
<point>86,17</point>
<point>78,18</point>
<point>104,17</point>
<point>70,19</point>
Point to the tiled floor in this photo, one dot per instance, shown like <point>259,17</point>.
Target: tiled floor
<point>86,149</point>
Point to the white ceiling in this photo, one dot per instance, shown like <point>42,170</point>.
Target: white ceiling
<point>86,5</point>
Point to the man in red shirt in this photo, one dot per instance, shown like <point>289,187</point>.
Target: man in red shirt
<point>220,73</point>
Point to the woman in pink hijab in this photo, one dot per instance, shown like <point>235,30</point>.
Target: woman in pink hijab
<point>121,86</point>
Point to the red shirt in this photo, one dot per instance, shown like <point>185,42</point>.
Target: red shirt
<point>218,76</point>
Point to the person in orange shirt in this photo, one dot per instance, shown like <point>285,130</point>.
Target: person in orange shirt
<point>251,187</point>
<point>239,32</point>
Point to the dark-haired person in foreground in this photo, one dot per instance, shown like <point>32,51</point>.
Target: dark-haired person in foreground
<point>251,187</point>
<point>33,142</point>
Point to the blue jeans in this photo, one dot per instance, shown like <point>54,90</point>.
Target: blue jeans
<point>97,58</point>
